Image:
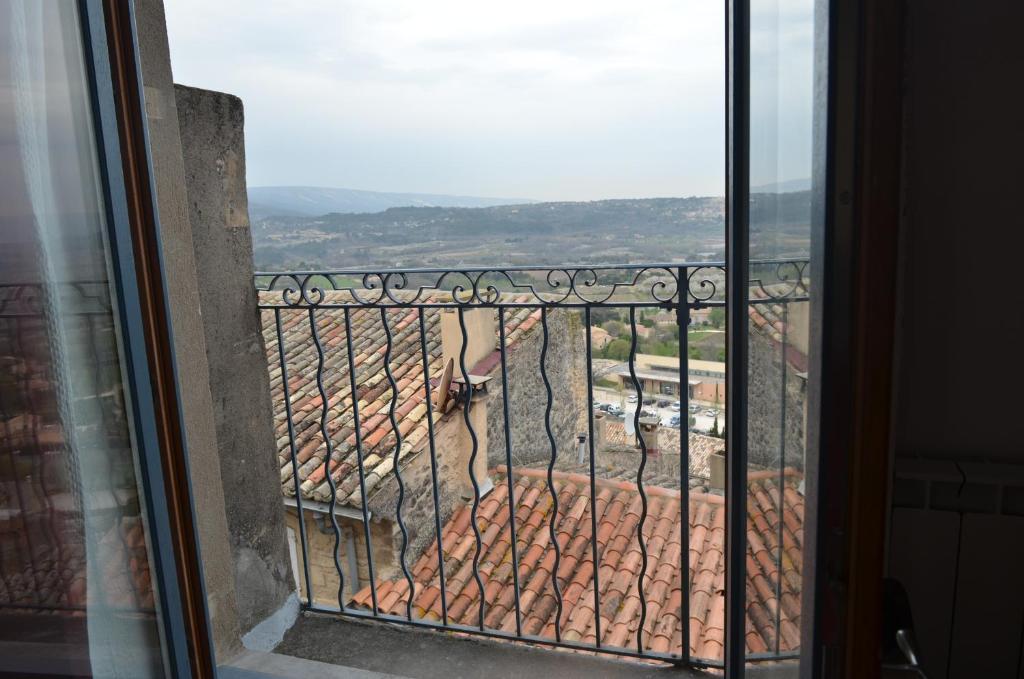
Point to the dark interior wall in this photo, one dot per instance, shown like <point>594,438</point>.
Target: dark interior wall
<point>962,326</point>
<point>957,522</point>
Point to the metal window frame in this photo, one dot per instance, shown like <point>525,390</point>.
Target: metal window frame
<point>829,398</point>
<point>111,55</point>
<point>737,195</point>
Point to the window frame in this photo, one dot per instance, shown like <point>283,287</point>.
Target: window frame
<point>114,81</point>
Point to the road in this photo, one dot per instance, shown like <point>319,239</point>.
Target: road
<point>704,422</point>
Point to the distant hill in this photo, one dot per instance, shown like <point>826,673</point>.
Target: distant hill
<point>312,201</point>
<point>787,186</point>
<point>601,231</point>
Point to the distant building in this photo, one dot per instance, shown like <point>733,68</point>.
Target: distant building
<point>665,318</point>
<point>660,375</point>
<point>599,338</point>
<point>700,316</point>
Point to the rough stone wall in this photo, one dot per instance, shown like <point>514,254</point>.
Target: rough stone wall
<point>453,447</point>
<point>660,470</point>
<point>765,406</point>
<point>213,149</point>
<point>322,571</point>
<point>566,366</point>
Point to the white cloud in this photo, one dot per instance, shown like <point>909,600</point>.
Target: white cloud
<point>547,99</point>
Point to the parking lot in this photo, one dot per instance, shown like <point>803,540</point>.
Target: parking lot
<point>704,422</point>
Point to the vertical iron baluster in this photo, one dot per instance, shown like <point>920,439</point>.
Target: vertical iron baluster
<point>433,465</point>
<point>22,504</point>
<point>467,399</point>
<point>295,462</point>
<point>397,458</point>
<point>5,435</point>
<point>108,431</point>
<point>593,481</point>
<point>782,475</point>
<point>551,469</point>
<point>359,456</point>
<point>508,468</point>
<point>683,322</point>
<point>327,457</point>
<point>639,482</point>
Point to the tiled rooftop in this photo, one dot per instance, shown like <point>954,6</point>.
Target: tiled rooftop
<point>618,508</point>
<point>368,345</point>
<point>767,318</point>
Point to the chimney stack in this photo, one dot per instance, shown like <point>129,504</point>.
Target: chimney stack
<point>649,431</point>
<point>454,443</point>
<point>481,333</point>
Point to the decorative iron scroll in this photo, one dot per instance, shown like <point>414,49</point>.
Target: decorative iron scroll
<point>703,284</point>
<point>30,299</point>
<point>784,280</point>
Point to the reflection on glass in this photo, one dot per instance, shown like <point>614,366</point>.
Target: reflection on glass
<point>781,77</point>
<point>76,593</point>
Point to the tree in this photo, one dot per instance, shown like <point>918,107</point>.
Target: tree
<point>613,327</point>
<point>717,317</point>
<point>601,315</point>
<point>721,355</point>
<point>617,350</point>
<point>714,428</point>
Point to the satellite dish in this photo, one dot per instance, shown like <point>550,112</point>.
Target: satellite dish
<point>444,387</point>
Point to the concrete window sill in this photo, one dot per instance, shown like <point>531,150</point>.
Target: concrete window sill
<point>325,647</point>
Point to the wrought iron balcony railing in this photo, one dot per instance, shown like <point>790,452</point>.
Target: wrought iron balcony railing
<point>512,515</point>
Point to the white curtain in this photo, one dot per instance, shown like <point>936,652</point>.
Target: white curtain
<point>59,167</point>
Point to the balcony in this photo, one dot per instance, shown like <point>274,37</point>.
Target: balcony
<point>443,465</point>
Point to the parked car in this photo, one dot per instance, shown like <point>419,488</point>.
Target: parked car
<point>631,398</point>
<point>603,407</point>
<point>676,406</point>
<point>664,403</point>
<point>694,408</point>
<point>647,412</point>
<point>614,410</point>
<point>674,422</point>
<point>710,412</point>
<point>648,400</point>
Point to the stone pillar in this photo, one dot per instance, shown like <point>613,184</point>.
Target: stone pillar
<point>189,337</point>
<point>213,149</point>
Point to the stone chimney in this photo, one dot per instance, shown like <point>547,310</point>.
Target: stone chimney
<point>481,333</point>
<point>454,447</point>
<point>454,444</point>
<point>649,431</point>
<point>600,430</point>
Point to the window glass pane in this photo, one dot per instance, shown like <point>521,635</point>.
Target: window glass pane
<point>781,79</point>
<point>76,591</point>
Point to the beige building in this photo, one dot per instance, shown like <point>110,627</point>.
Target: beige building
<point>659,375</point>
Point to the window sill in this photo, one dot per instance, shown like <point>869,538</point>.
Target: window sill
<point>323,646</point>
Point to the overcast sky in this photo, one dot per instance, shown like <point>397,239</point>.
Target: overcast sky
<point>550,100</point>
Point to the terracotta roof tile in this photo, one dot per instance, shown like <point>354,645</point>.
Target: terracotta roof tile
<point>373,390</point>
<point>621,562</point>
